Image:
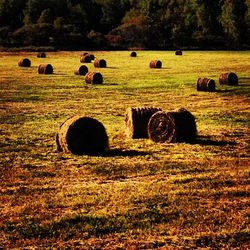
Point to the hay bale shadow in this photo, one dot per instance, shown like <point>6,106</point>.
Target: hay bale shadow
<point>223,90</point>
<point>207,141</point>
<point>124,153</point>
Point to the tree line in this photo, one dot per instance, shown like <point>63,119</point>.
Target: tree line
<point>124,24</point>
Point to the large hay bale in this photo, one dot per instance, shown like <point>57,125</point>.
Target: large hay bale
<point>176,126</point>
<point>85,59</point>
<point>228,78</point>
<point>82,70</point>
<point>178,52</point>
<point>94,78</point>
<point>24,62</point>
<point>41,54</point>
<point>133,54</point>
<point>100,63</point>
<point>155,64</point>
<point>45,69</point>
<point>205,84</point>
<point>136,120</point>
<point>82,135</point>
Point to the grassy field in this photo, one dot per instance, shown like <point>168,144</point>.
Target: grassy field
<point>141,195</point>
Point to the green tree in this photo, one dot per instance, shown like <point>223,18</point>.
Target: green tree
<point>234,22</point>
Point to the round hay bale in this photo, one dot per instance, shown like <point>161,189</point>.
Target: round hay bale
<point>45,69</point>
<point>94,78</point>
<point>85,59</point>
<point>155,64</point>
<point>92,57</point>
<point>178,52</point>
<point>82,135</point>
<point>133,54</point>
<point>205,84</point>
<point>100,63</point>
<point>24,62</point>
<point>82,70</point>
<point>41,55</point>
<point>229,78</point>
<point>136,120</point>
<point>176,126</point>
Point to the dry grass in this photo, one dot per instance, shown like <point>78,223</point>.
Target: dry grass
<point>142,195</point>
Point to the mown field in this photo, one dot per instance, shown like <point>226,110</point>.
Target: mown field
<point>142,194</point>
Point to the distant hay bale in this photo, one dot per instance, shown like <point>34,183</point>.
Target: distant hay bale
<point>41,55</point>
<point>155,64</point>
<point>178,52</point>
<point>45,69</point>
<point>100,63</point>
<point>136,120</point>
<point>133,54</point>
<point>94,78</point>
<point>228,78</point>
<point>82,70</point>
<point>205,84</point>
<point>24,62</point>
<point>82,135</point>
<point>85,59</point>
<point>176,126</point>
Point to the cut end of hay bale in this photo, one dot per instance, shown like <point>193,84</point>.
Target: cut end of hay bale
<point>205,84</point>
<point>45,69</point>
<point>82,135</point>
<point>155,64</point>
<point>229,78</point>
<point>85,59</point>
<point>94,78</point>
<point>133,54</point>
<point>176,126</point>
<point>25,62</point>
<point>82,70</point>
<point>136,120</point>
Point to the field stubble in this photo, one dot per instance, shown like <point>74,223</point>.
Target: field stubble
<point>141,195</point>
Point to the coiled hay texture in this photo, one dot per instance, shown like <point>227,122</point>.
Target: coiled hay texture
<point>178,52</point>
<point>41,54</point>
<point>176,126</point>
<point>133,54</point>
<point>94,78</point>
<point>155,64</point>
<point>136,120</point>
<point>82,70</point>
<point>24,62</point>
<point>228,78</point>
<point>100,63</point>
<point>45,69</point>
<point>205,84</point>
<point>82,135</point>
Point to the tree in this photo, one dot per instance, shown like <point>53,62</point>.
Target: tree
<point>233,22</point>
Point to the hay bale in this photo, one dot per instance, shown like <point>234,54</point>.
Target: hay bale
<point>45,69</point>
<point>228,78</point>
<point>178,52</point>
<point>205,84</point>
<point>82,135</point>
<point>155,64</point>
<point>92,57</point>
<point>94,78</point>
<point>85,59</point>
<point>133,54</point>
<point>100,63</point>
<point>82,70</point>
<point>24,62</point>
<point>41,55</point>
<point>136,120</point>
<point>176,126</point>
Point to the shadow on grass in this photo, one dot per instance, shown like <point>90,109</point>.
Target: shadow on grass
<point>223,90</point>
<point>207,141</point>
<point>121,152</point>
